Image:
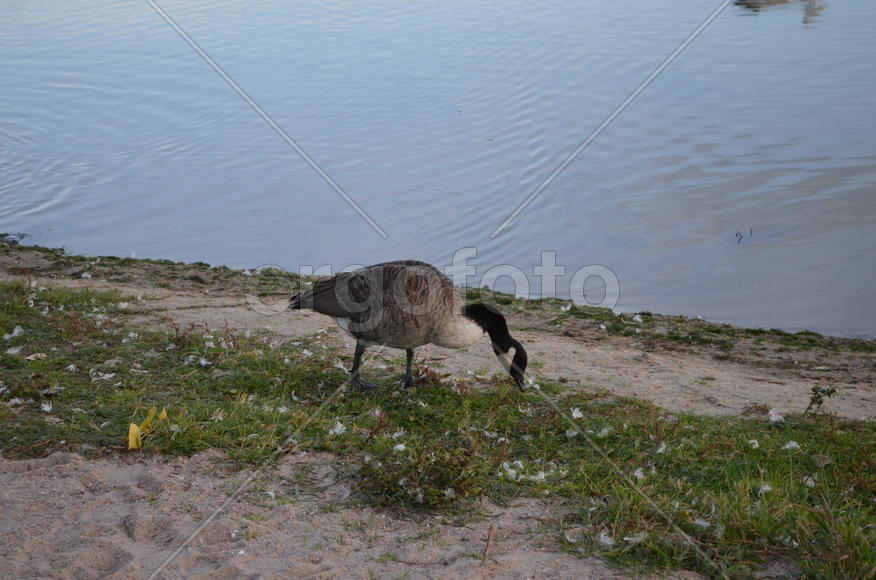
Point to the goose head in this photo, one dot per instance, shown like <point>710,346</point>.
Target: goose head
<point>510,353</point>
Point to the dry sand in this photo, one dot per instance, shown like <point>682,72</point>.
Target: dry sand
<point>120,516</point>
<point>678,379</point>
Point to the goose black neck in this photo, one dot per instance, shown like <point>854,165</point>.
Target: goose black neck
<point>493,323</point>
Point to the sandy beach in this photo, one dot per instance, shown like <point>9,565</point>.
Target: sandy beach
<point>120,515</point>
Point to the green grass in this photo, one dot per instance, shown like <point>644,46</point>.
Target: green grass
<point>451,441</point>
<point>673,329</point>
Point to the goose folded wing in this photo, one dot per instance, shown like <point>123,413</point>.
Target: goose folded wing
<point>345,295</point>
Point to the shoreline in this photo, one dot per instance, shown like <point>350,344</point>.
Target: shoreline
<point>64,264</point>
<point>197,266</point>
<point>687,408</point>
<point>681,363</point>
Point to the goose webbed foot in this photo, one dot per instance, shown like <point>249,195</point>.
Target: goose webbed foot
<point>407,383</point>
<point>362,386</point>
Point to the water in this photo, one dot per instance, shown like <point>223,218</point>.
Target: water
<point>438,118</point>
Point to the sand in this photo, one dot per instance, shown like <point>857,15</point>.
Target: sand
<point>119,516</point>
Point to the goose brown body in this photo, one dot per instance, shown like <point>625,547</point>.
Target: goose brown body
<point>406,304</point>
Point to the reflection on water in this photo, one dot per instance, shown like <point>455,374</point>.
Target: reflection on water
<point>811,8</point>
<point>438,118</point>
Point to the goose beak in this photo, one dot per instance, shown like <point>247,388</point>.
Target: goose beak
<point>520,384</point>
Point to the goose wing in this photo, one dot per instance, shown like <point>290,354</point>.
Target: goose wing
<point>333,296</point>
<point>351,294</point>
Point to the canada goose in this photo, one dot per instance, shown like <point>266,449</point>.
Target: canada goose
<point>406,304</point>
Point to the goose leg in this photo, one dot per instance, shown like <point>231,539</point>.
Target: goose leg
<point>355,380</point>
<point>408,381</point>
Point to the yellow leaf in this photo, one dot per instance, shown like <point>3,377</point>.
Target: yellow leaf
<point>134,438</point>
<point>163,415</point>
<point>147,422</point>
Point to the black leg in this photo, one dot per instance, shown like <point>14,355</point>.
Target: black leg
<point>408,381</point>
<point>355,380</point>
<point>357,359</point>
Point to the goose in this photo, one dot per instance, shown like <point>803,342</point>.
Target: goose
<point>406,304</point>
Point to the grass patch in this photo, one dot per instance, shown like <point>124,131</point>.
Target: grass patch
<point>745,489</point>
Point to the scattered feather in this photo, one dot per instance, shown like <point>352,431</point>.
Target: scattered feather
<point>17,331</point>
<point>605,539</point>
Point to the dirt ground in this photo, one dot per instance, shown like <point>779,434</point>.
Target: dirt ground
<point>689,378</point>
<point>68,517</point>
<point>120,516</point>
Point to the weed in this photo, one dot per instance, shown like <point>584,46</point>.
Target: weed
<point>442,448</point>
<point>816,399</point>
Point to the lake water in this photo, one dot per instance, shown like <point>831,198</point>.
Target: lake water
<point>438,118</point>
